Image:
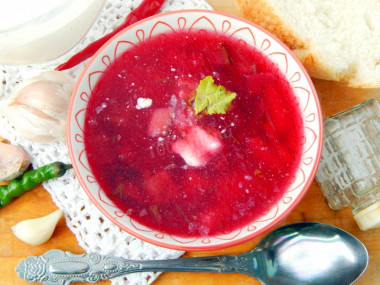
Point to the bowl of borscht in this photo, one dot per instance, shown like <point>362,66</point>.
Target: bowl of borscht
<point>195,130</point>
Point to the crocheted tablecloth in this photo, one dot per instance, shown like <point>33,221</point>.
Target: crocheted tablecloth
<point>94,232</point>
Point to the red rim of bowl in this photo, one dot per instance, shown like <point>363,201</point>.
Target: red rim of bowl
<point>266,228</point>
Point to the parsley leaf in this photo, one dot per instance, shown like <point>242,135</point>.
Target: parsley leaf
<point>212,98</point>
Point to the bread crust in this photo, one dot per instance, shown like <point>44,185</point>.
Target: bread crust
<point>262,13</point>
<point>314,67</point>
<point>259,12</point>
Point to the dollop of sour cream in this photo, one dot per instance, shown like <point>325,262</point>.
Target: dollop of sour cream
<point>143,103</point>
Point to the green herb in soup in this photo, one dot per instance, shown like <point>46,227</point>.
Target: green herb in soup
<point>212,98</point>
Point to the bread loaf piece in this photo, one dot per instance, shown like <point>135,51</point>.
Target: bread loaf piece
<point>334,39</point>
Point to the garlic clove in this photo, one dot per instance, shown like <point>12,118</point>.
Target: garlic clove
<point>62,78</point>
<point>14,160</point>
<point>34,125</point>
<point>35,96</point>
<point>37,231</point>
<point>43,102</point>
<point>65,80</point>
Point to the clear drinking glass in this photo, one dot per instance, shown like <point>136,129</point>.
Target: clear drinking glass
<point>41,30</point>
<point>349,170</point>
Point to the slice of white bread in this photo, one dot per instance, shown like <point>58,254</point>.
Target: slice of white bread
<point>334,39</point>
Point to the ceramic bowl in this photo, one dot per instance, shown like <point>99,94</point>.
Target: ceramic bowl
<point>229,26</point>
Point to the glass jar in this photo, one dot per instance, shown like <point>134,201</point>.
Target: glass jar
<point>349,170</point>
<point>41,30</point>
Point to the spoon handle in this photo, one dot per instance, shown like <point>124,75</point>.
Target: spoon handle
<point>59,267</point>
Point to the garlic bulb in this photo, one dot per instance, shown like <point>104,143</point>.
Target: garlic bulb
<point>37,231</point>
<point>38,107</point>
<point>14,160</point>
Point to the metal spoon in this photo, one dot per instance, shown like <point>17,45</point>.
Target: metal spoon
<point>301,253</point>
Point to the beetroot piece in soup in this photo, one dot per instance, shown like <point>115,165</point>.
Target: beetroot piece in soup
<point>184,173</point>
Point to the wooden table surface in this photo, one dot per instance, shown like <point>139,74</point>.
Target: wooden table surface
<point>334,97</point>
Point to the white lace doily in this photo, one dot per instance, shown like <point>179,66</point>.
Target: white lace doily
<point>94,232</point>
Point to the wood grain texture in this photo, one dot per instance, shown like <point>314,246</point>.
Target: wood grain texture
<point>334,97</point>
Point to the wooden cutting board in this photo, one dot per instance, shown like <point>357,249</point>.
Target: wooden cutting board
<point>334,97</point>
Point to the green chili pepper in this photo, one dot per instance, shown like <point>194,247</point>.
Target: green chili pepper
<point>30,179</point>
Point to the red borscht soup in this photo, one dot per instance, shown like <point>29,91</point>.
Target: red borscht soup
<point>189,174</point>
